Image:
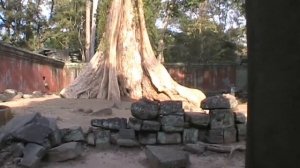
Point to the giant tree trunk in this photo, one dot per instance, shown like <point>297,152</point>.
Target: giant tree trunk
<point>125,64</point>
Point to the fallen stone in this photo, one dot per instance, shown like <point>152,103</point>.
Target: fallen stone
<point>190,135</point>
<point>34,132</point>
<point>4,98</point>
<point>56,136</point>
<point>135,123</point>
<point>65,152</point>
<point>240,118</point>
<point>164,157</point>
<point>224,101</point>
<point>102,139</point>
<point>215,136</point>
<point>230,135</point>
<point>18,122</point>
<point>27,96</point>
<point>102,112</point>
<point>195,148</point>
<point>10,92</point>
<point>37,94</point>
<point>74,134</point>
<point>149,125</point>
<point>32,155</point>
<point>171,107</point>
<point>114,138</point>
<point>221,118</point>
<point>17,149</point>
<point>144,109</point>
<point>197,119</point>
<point>241,131</point>
<point>18,96</point>
<point>168,138</point>
<point>110,123</point>
<point>146,138</point>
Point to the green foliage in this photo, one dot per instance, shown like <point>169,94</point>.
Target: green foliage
<point>67,25</point>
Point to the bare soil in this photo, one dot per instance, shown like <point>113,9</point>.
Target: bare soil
<point>66,111</point>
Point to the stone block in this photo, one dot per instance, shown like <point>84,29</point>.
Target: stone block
<point>10,92</point>
<point>240,118</point>
<point>224,101</point>
<point>4,98</point>
<point>195,148</point>
<point>74,134</point>
<point>171,108</point>
<point>221,118</point>
<point>144,109</point>
<point>91,139</point>
<point>168,128</point>
<point>197,119</point>
<point>102,139</point>
<point>127,142</point>
<point>202,134</point>
<point>149,125</point>
<point>114,138</point>
<point>164,157</point>
<point>66,151</point>
<point>230,135</point>
<point>172,123</point>
<point>215,136</point>
<point>110,123</point>
<point>135,123</point>
<point>190,135</point>
<point>147,138</point>
<point>32,155</point>
<point>241,132</point>
<point>168,138</point>
<point>127,134</point>
<point>5,114</point>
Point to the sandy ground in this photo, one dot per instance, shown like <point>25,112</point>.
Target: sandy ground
<point>66,111</point>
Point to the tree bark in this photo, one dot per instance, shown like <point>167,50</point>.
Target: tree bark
<point>93,29</point>
<point>125,64</point>
<point>87,30</point>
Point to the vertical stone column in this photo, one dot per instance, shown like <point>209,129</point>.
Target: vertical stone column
<point>274,84</point>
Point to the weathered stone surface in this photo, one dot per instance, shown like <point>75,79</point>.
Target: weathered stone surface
<point>197,119</point>
<point>190,135</point>
<point>171,107</point>
<point>27,96</point>
<point>102,112</point>
<point>65,152</point>
<point>127,134</point>
<point>19,121</point>
<point>168,138</point>
<point>195,148</point>
<point>56,136</point>
<point>149,125</point>
<point>230,135</point>
<point>102,139</point>
<point>127,142</point>
<point>172,123</point>
<point>74,134</point>
<point>4,98</point>
<point>145,110</point>
<point>34,132</point>
<point>32,155</point>
<point>146,138</point>
<point>240,118</point>
<point>110,123</point>
<point>202,134</point>
<point>215,136</point>
<point>17,149</point>
<point>221,118</point>
<point>91,139</point>
<point>18,96</point>
<point>164,157</point>
<point>135,123</point>
<point>224,101</point>
<point>114,138</point>
<point>241,131</point>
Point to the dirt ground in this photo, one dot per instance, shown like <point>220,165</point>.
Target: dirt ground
<point>66,111</point>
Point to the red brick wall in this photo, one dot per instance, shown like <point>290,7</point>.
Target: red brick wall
<point>24,71</point>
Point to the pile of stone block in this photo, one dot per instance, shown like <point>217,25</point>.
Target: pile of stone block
<point>225,125</point>
<point>26,140</point>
